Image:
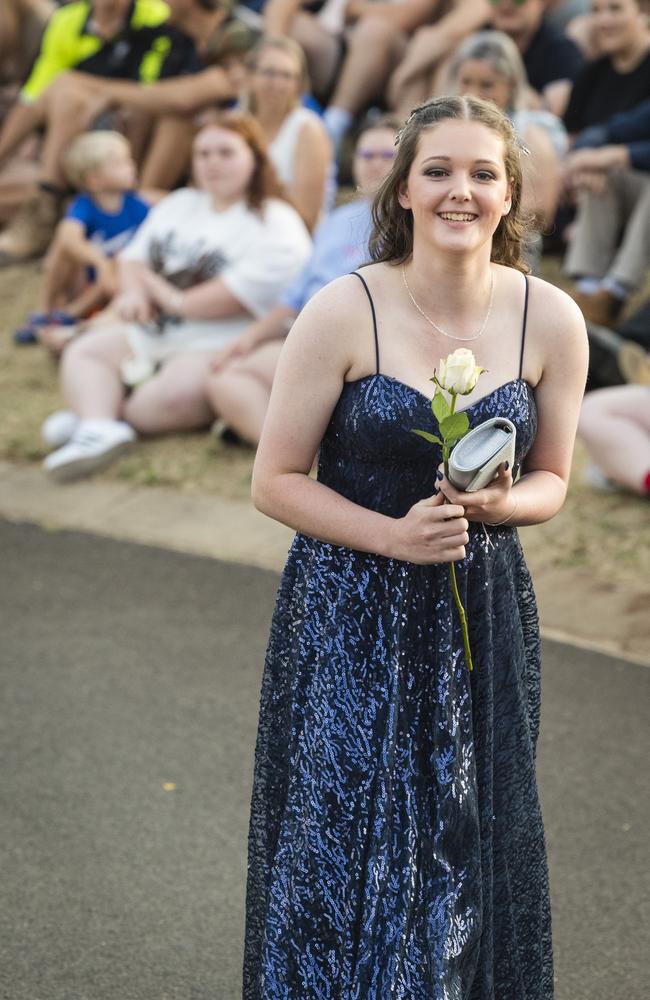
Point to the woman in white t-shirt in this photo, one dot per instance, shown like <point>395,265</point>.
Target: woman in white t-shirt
<point>204,263</point>
<point>298,143</point>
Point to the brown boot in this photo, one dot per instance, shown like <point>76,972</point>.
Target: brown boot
<point>30,232</point>
<point>600,307</point>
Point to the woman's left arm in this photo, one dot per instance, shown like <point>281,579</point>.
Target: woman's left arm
<point>312,160</point>
<point>557,335</point>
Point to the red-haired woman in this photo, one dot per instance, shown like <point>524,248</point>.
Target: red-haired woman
<point>205,262</point>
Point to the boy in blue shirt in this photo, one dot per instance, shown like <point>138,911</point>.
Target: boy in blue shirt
<point>80,266</point>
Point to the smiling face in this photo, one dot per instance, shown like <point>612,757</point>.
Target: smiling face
<point>617,25</point>
<point>223,164</point>
<point>457,189</point>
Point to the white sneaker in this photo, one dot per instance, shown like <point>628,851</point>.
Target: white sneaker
<point>93,445</point>
<point>59,428</point>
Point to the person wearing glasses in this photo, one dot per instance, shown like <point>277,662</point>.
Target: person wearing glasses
<point>552,60</point>
<point>299,147</point>
<point>242,374</point>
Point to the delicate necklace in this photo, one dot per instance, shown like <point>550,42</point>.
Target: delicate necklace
<point>451,336</point>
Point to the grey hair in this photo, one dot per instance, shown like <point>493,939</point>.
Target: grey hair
<point>499,50</point>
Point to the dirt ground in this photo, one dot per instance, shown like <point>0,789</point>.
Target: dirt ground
<point>591,564</point>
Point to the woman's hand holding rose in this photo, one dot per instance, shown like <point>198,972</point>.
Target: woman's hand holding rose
<point>431,532</point>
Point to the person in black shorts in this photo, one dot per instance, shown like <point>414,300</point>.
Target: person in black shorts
<point>120,39</point>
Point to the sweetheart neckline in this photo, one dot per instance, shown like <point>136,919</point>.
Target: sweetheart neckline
<point>418,392</point>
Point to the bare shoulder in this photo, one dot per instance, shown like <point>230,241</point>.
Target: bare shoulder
<point>336,320</point>
<point>312,131</point>
<point>557,333</point>
<point>341,297</point>
<point>552,313</point>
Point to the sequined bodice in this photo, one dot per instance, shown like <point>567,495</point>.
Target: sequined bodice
<point>370,455</point>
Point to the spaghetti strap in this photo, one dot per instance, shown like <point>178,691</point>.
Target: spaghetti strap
<point>523,327</point>
<point>374,317</point>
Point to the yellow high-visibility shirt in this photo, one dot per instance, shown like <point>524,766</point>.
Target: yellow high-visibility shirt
<point>67,42</point>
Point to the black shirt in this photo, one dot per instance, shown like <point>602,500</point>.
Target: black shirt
<point>125,56</point>
<point>601,91</point>
<point>551,56</point>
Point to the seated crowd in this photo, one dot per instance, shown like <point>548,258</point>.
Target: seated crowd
<point>179,163</point>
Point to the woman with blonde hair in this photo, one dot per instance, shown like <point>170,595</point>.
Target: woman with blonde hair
<point>204,262</point>
<point>298,144</point>
<point>396,845</point>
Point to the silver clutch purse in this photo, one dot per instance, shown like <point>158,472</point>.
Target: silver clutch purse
<point>475,459</point>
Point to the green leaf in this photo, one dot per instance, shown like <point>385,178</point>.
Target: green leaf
<point>440,407</point>
<point>427,437</point>
<point>455,426</point>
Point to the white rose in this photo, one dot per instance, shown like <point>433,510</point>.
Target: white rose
<point>459,372</point>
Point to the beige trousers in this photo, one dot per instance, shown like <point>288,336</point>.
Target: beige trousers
<point>612,231</point>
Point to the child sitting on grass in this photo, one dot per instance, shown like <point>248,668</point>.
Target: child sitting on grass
<point>79,273</point>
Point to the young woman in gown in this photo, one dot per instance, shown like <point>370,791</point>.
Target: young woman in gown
<point>396,846</point>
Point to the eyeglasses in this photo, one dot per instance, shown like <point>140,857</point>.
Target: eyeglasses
<point>371,154</point>
<point>276,74</point>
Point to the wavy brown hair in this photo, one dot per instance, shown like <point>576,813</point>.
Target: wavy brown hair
<point>392,235</point>
<point>264,182</point>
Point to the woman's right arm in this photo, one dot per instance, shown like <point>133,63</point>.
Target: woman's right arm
<point>133,302</point>
<point>318,352</point>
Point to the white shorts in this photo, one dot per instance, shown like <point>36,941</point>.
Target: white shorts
<point>148,343</point>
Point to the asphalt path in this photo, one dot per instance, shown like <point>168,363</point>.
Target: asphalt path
<point>129,685</point>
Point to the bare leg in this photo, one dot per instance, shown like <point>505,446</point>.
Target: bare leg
<point>138,127</point>
<point>615,427</point>
<point>375,48</point>
<point>411,93</point>
<point>61,277</point>
<point>322,49</point>
<point>174,399</point>
<point>240,393</point>
<point>69,112</point>
<point>169,153</point>
<point>17,185</point>
<point>90,373</point>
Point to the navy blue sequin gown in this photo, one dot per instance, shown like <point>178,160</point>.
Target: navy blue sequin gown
<point>396,847</point>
